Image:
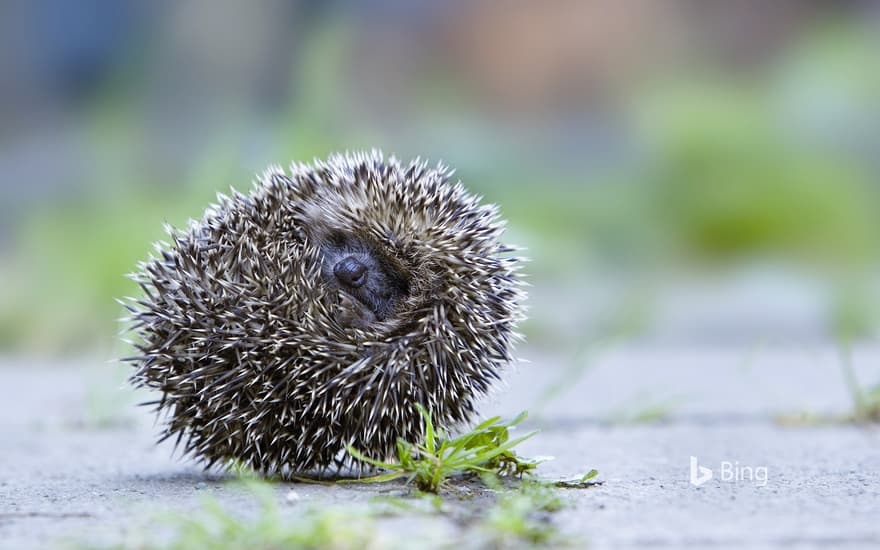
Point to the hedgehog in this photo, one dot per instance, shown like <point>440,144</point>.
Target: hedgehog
<point>318,310</point>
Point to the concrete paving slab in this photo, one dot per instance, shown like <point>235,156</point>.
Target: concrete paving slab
<point>70,474</point>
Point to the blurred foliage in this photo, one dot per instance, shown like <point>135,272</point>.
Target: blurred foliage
<point>725,181</point>
<point>73,259</point>
<point>716,172</point>
<point>213,526</point>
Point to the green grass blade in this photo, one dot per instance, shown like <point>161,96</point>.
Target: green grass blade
<point>381,478</point>
<point>429,428</point>
<point>493,452</point>
<point>363,458</point>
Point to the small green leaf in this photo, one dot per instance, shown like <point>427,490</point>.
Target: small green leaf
<point>581,482</point>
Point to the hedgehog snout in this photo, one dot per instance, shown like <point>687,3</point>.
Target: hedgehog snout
<point>370,286</point>
<point>351,272</point>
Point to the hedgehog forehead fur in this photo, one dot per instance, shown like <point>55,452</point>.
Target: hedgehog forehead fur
<point>316,311</point>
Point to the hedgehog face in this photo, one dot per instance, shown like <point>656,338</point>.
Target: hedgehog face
<point>370,286</point>
<point>316,311</point>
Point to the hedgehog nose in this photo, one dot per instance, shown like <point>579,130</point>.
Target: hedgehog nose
<point>351,272</point>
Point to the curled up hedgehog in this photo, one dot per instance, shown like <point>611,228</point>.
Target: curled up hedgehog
<point>316,311</point>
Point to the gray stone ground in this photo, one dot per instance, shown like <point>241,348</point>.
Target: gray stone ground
<point>79,463</point>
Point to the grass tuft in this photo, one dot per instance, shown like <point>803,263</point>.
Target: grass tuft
<point>486,449</point>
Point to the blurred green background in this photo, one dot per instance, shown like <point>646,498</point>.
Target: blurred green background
<point>704,172</point>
